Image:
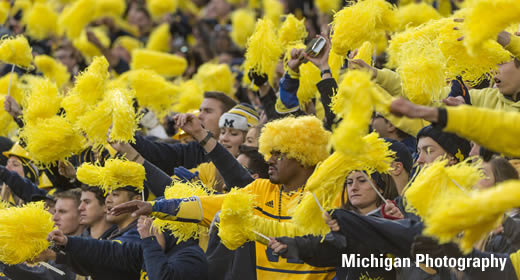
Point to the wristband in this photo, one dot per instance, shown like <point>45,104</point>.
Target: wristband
<point>325,72</point>
<point>204,141</point>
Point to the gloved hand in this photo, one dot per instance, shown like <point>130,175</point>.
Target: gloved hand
<point>257,79</point>
<point>185,175</point>
<point>427,245</point>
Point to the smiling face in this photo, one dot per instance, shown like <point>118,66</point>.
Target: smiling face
<point>508,78</point>
<point>231,139</point>
<point>359,192</point>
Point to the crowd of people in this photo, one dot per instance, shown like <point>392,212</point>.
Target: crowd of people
<point>240,110</point>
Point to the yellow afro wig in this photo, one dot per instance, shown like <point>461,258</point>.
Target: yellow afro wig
<point>303,139</point>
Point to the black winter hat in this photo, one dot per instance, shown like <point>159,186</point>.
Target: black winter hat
<point>456,146</point>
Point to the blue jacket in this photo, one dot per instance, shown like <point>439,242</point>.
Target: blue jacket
<point>22,187</point>
<point>145,260</point>
<point>168,156</point>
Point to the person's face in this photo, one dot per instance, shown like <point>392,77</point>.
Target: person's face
<point>90,210</point>
<point>508,78</point>
<point>489,177</point>
<point>66,216</point>
<point>244,161</point>
<point>252,138</point>
<point>380,125</point>
<point>113,199</point>
<point>281,168</point>
<point>15,164</point>
<point>429,151</point>
<point>231,139</point>
<point>359,192</point>
<point>210,112</point>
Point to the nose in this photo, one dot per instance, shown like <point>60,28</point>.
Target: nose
<point>55,217</point>
<point>421,159</point>
<point>81,206</point>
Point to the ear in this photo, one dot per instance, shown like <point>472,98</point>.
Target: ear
<point>390,128</point>
<point>397,168</point>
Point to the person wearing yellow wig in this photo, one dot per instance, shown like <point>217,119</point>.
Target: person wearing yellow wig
<point>506,95</point>
<point>293,147</point>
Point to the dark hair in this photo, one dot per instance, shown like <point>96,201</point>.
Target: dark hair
<point>98,193</point>
<point>517,62</point>
<point>503,170</point>
<point>383,181</point>
<point>74,194</point>
<point>257,163</point>
<point>227,102</point>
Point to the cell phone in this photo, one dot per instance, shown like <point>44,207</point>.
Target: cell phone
<point>315,46</point>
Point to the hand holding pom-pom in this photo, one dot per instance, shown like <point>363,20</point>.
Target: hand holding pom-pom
<point>257,79</point>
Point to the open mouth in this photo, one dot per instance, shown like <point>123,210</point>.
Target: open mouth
<point>497,81</point>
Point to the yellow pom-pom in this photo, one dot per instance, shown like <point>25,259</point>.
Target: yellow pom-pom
<point>87,49</point>
<point>292,31</point>
<point>75,17</point>
<point>436,182</point>
<point>96,122</point>
<point>121,173</point>
<point>112,8</point>
<point>459,62</point>
<point>336,62</point>
<point>273,10</point>
<point>310,75</point>
<point>236,219</point>
<point>160,39</point>
<point>215,77</point>
<point>90,174</point>
<point>181,230</point>
<point>486,18</point>
<point>16,51</point>
<point>190,97</point>
<point>355,102</point>
<point>124,118</point>
<point>361,22</point>
<point>416,14</point>
<point>365,53</point>
<point>128,42</point>
<point>423,72</point>
<point>88,89</point>
<point>475,214</point>
<point>303,139</point>
<point>4,11</point>
<point>50,140</point>
<point>24,231</point>
<point>152,91</point>
<point>327,6</point>
<point>243,26</point>
<point>158,8</point>
<point>17,91</point>
<point>326,182</point>
<point>42,102</point>
<point>41,21</point>
<point>263,50</point>
<point>52,69</point>
<point>168,65</point>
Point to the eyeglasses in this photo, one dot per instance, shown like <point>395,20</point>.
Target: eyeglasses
<point>277,156</point>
